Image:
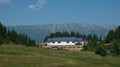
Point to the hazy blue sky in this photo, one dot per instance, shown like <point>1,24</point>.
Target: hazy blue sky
<point>33,12</point>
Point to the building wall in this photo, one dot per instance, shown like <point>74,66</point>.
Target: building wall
<point>82,43</point>
<point>67,47</point>
<point>61,43</point>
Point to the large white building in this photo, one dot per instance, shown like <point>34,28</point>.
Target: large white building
<point>64,41</point>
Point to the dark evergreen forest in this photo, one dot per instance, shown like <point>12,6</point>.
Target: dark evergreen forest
<point>10,36</point>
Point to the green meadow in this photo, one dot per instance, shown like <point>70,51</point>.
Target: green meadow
<point>22,56</point>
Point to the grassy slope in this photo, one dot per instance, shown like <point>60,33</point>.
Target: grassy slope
<point>21,56</point>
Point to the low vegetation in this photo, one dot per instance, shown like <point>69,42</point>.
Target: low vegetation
<point>23,56</point>
<point>110,45</point>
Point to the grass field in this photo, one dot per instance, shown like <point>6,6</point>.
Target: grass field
<point>21,56</point>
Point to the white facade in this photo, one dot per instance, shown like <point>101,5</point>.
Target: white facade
<point>64,43</point>
<point>61,43</point>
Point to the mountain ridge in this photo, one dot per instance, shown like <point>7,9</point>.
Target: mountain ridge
<point>38,32</point>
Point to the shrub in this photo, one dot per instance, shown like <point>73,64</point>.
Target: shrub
<point>101,51</point>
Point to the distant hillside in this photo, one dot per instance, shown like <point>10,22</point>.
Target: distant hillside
<point>38,32</point>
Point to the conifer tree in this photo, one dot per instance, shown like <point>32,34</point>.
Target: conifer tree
<point>110,36</point>
<point>72,34</point>
<point>3,32</point>
<point>7,36</point>
<point>117,33</point>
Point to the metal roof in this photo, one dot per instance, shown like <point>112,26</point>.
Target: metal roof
<point>79,39</point>
<point>64,39</point>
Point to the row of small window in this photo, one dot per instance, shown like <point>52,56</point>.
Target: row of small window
<point>66,42</point>
<point>67,47</point>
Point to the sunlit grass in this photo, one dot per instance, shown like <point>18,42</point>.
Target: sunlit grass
<point>22,56</point>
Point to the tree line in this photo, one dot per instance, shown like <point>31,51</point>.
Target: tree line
<point>113,41</point>
<point>110,45</point>
<point>11,36</point>
<point>73,34</point>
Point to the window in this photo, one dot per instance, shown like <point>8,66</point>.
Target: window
<point>78,43</point>
<point>53,42</point>
<point>67,41</point>
<point>58,41</point>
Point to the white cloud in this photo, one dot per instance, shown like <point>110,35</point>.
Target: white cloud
<point>38,5</point>
<point>5,1</point>
<point>32,6</point>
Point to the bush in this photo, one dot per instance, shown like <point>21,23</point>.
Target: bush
<point>101,51</point>
<point>85,47</point>
<point>116,48</point>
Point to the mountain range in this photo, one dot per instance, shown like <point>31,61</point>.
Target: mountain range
<point>39,32</point>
